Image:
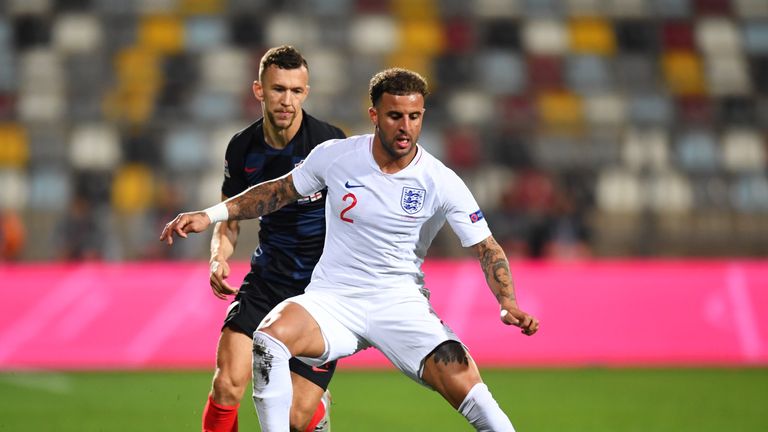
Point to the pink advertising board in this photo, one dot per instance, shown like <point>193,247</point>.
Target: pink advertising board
<point>612,313</point>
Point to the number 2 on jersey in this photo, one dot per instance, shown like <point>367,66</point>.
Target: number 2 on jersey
<point>352,197</point>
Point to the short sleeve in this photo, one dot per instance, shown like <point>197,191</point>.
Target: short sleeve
<point>309,177</point>
<point>462,211</point>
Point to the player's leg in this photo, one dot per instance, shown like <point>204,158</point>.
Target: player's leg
<point>286,331</point>
<point>233,371</point>
<point>435,357</point>
<point>233,353</point>
<point>307,400</point>
<point>310,407</point>
<point>319,328</point>
<point>452,373</point>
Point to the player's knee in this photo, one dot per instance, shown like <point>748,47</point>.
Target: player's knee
<point>227,388</point>
<point>449,354</point>
<point>301,415</point>
<point>277,328</point>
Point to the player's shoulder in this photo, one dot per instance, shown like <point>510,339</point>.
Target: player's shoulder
<point>322,130</point>
<point>346,144</point>
<point>433,165</point>
<point>439,174</point>
<point>244,137</point>
<point>341,149</point>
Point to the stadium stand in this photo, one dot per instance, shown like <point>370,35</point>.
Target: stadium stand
<point>643,122</point>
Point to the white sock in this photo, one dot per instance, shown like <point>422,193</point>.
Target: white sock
<point>483,412</point>
<point>272,389</point>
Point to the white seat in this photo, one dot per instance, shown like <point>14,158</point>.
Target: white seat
<point>606,109</point>
<point>328,68</point>
<point>77,33</point>
<point>717,36</point>
<point>669,192</point>
<point>743,150</point>
<point>95,146</point>
<point>226,70</point>
<point>291,29</point>
<point>544,36</point>
<point>618,190</point>
<point>728,74</point>
<point>14,189</point>
<point>500,8</point>
<point>373,34</point>
<point>646,148</point>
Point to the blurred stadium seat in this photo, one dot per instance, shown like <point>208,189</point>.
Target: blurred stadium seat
<point>659,107</point>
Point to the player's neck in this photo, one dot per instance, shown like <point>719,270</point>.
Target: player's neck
<point>388,163</point>
<point>279,138</point>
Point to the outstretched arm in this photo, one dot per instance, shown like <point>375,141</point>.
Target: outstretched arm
<point>496,268</point>
<point>223,242</point>
<point>254,202</point>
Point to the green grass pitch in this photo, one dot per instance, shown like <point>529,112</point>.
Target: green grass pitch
<point>541,400</point>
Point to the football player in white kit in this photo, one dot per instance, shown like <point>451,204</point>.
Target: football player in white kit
<point>387,198</point>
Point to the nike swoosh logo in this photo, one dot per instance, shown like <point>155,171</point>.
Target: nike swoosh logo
<point>350,186</point>
<point>250,170</point>
<point>317,369</point>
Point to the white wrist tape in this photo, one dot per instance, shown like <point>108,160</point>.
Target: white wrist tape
<point>217,213</point>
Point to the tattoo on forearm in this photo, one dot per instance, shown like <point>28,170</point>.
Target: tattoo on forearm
<point>496,269</point>
<point>263,199</point>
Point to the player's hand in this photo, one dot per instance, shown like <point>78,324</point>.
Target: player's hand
<point>219,274</point>
<point>185,223</point>
<point>511,315</point>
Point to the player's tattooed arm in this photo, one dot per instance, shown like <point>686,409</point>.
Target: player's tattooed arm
<point>254,202</point>
<point>263,198</point>
<point>496,269</point>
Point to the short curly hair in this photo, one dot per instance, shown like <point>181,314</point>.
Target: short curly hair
<point>284,57</point>
<point>396,81</point>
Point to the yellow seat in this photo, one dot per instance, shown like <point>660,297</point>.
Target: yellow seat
<point>683,72</point>
<point>421,36</point>
<point>592,36</point>
<point>138,79</point>
<point>201,7</point>
<point>418,9</point>
<point>130,106</point>
<point>561,110</point>
<point>14,145</point>
<point>133,189</point>
<point>161,33</point>
<point>138,67</point>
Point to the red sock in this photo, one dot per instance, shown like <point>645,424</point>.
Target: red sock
<point>316,417</point>
<point>219,418</point>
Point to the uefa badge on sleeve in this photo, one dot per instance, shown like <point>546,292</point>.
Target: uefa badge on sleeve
<point>476,216</point>
<point>412,199</point>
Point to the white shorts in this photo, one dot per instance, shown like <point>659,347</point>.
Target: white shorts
<point>401,324</point>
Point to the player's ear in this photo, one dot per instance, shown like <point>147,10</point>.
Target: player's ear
<point>258,91</point>
<point>373,115</point>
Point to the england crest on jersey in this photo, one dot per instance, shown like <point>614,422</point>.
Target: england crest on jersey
<point>412,200</point>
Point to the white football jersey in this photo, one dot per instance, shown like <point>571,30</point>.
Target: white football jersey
<point>379,226</point>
